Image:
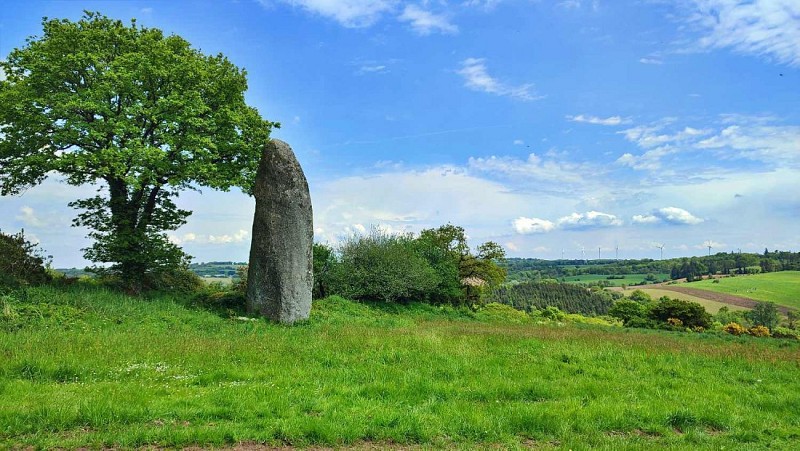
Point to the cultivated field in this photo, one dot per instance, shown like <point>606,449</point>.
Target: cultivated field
<point>82,366</point>
<point>782,288</point>
<point>711,306</point>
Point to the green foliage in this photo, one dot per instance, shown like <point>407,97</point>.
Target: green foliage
<point>691,314</point>
<point>627,311</point>
<point>21,262</point>
<point>785,332</point>
<point>323,262</point>
<point>142,114</point>
<point>381,266</point>
<point>501,313</point>
<point>462,276</point>
<point>568,298</point>
<point>641,297</point>
<point>764,314</point>
<point>726,316</point>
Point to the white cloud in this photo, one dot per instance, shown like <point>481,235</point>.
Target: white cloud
<point>760,142</point>
<point>519,142</point>
<point>375,69</point>
<point>147,10</point>
<point>511,246</point>
<point>240,236</point>
<point>484,4</point>
<point>29,217</point>
<point>588,220</point>
<point>533,168</point>
<point>425,22</point>
<point>349,13</point>
<point>237,237</point>
<point>649,161</point>
<point>410,200</point>
<point>647,136</point>
<point>612,120</point>
<point>525,226</point>
<point>654,61</point>
<point>668,215</point>
<point>477,78</point>
<point>767,28</point>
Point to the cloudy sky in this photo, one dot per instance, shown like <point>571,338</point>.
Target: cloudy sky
<point>547,126</point>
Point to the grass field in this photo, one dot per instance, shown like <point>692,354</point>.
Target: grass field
<point>779,287</point>
<point>711,306</point>
<point>628,280</point>
<point>86,367</point>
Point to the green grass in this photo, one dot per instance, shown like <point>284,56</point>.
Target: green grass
<point>87,367</point>
<point>779,287</point>
<point>710,306</point>
<point>629,279</point>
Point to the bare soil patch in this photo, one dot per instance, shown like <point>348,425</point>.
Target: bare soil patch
<point>719,297</point>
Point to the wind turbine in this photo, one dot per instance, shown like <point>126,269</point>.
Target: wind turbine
<point>709,247</point>
<point>583,254</point>
<point>661,246</point>
<point>616,252</point>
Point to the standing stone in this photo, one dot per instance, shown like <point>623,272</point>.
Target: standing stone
<point>280,275</point>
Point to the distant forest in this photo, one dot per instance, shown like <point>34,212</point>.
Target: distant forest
<point>533,269</point>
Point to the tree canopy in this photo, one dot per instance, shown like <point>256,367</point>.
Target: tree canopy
<point>140,114</point>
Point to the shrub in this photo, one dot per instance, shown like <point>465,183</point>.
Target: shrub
<point>785,332</point>
<point>691,314</point>
<point>22,262</point>
<point>676,322</point>
<point>759,331</point>
<point>381,266</point>
<point>627,310</point>
<point>734,329</point>
<point>503,313</point>
<point>553,313</point>
<point>640,297</point>
<point>764,314</point>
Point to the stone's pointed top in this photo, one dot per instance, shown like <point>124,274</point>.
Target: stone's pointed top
<point>279,278</point>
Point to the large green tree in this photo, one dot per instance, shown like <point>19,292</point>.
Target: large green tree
<point>139,114</point>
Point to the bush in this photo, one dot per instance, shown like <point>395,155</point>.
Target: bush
<point>380,266</point>
<point>691,314</point>
<point>502,313</point>
<point>734,329</point>
<point>759,331</point>
<point>627,310</point>
<point>22,262</point>
<point>640,297</point>
<point>785,332</point>
<point>553,313</point>
<point>764,314</point>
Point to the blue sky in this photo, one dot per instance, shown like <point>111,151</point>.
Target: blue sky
<point>546,126</point>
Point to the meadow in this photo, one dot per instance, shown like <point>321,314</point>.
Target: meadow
<point>84,366</point>
<point>626,279</point>
<point>782,287</point>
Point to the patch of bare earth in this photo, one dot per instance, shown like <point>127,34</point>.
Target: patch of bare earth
<point>718,297</point>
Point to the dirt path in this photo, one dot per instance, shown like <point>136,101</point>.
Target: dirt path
<point>719,297</point>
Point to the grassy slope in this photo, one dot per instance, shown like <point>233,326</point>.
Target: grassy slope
<point>780,287</point>
<point>100,369</point>
<point>711,306</point>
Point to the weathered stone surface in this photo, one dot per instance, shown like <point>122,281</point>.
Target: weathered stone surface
<point>279,278</point>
